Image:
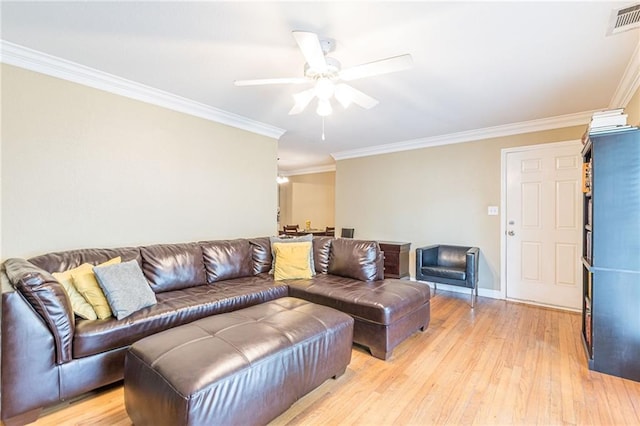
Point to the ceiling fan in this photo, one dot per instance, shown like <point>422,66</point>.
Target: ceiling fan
<point>326,74</point>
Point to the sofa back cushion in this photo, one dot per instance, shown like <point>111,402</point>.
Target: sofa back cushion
<point>64,260</point>
<point>173,266</point>
<point>261,254</point>
<point>355,259</point>
<point>48,299</point>
<point>321,252</point>
<point>224,260</point>
<point>452,256</point>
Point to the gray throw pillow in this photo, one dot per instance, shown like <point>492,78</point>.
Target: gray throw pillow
<point>303,238</point>
<point>125,288</point>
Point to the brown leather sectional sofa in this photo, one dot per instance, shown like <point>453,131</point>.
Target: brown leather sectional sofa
<point>48,355</point>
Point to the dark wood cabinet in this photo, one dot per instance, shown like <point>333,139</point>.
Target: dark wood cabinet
<point>611,253</point>
<point>396,259</point>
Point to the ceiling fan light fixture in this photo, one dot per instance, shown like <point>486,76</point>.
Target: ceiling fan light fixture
<point>301,100</point>
<point>303,97</point>
<point>343,95</point>
<point>324,107</point>
<point>324,88</point>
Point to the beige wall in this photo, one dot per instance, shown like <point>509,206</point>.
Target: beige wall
<point>633,109</point>
<point>308,197</point>
<point>433,195</point>
<point>85,168</point>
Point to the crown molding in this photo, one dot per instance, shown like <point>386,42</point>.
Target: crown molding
<point>629,83</point>
<point>577,119</point>
<point>309,170</point>
<point>23,57</point>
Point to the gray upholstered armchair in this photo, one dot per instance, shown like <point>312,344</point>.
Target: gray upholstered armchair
<point>452,265</point>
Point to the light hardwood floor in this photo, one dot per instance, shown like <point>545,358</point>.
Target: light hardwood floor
<point>501,363</point>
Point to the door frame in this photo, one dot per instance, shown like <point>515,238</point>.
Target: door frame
<point>503,204</point>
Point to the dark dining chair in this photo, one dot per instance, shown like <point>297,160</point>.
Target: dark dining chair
<point>330,231</point>
<point>290,229</point>
<point>347,233</point>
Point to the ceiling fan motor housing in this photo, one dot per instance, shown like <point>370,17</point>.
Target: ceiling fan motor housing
<point>327,45</point>
<point>333,68</point>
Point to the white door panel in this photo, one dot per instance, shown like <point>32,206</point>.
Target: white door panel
<point>543,217</point>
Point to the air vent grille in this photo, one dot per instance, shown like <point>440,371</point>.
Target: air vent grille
<point>624,19</point>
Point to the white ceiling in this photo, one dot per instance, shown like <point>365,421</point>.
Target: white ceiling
<point>476,64</point>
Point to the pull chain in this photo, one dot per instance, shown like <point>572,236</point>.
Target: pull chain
<point>322,128</point>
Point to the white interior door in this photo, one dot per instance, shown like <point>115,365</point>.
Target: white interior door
<point>543,223</point>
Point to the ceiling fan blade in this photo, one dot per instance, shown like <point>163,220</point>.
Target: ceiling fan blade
<point>309,44</point>
<point>302,100</point>
<point>258,82</point>
<point>346,94</point>
<point>383,66</point>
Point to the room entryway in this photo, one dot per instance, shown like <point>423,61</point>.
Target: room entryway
<point>542,241</point>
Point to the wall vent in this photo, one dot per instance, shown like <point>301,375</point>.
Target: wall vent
<point>624,19</point>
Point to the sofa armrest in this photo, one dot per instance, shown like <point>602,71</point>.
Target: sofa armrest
<point>30,377</point>
<point>48,298</point>
<point>473,257</point>
<point>427,255</point>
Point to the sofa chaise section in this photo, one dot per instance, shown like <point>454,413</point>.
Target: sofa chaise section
<point>386,312</point>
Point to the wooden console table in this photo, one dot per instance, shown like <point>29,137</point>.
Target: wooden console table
<point>396,259</point>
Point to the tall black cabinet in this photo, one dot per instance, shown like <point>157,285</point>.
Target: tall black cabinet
<point>611,253</point>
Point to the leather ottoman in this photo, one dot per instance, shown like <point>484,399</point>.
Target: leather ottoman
<point>243,367</point>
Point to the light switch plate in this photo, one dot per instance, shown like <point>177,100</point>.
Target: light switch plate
<point>492,211</point>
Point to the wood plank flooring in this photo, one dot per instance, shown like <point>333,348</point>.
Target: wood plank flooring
<point>499,364</point>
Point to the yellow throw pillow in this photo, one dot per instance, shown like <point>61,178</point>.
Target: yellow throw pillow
<point>78,303</point>
<point>85,282</point>
<point>292,261</point>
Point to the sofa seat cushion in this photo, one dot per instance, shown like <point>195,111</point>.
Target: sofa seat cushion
<point>450,272</point>
<point>174,308</point>
<point>382,302</point>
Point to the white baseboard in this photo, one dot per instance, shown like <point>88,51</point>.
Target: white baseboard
<point>543,305</point>
<point>493,294</point>
<point>484,292</point>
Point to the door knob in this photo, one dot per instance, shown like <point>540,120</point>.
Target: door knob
<point>511,233</point>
